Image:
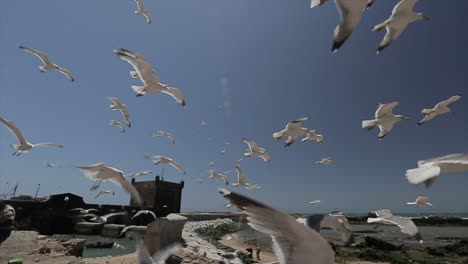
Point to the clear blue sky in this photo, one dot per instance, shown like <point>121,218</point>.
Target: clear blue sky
<point>247,67</point>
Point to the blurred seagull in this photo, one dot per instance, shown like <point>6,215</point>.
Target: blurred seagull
<point>142,11</point>
<point>314,202</point>
<point>23,146</point>
<point>121,107</point>
<point>198,180</point>
<point>146,212</point>
<point>240,178</point>
<point>293,243</point>
<point>105,192</point>
<point>103,172</point>
<point>334,220</point>
<point>254,187</point>
<point>428,170</point>
<point>165,160</point>
<point>230,256</point>
<point>211,164</point>
<point>314,3</point>
<point>117,124</point>
<point>350,15</point>
<point>384,119</point>
<point>421,201</point>
<point>162,133</point>
<point>325,161</point>
<point>216,175</point>
<point>312,135</point>
<point>204,123</point>
<point>293,131</point>
<point>48,65</point>
<point>402,16</point>
<point>255,151</point>
<point>49,164</point>
<point>405,224</point>
<point>439,109</point>
<point>140,173</point>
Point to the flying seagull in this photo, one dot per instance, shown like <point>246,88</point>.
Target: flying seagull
<point>421,201</point>
<point>151,83</point>
<point>49,164</point>
<point>158,159</point>
<point>105,192</point>
<point>214,174</point>
<point>402,16</point>
<point>255,151</point>
<point>103,172</point>
<point>254,187</point>
<point>428,170</point>
<point>293,131</point>
<point>385,217</point>
<point>117,124</point>
<point>439,109</point>
<point>325,161</point>
<point>293,242</point>
<point>23,146</point>
<point>335,221</point>
<point>142,11</point>
<point>211,164</point>
<point>140,173</point>
<point>48,65</point>
<point>163,133</point>
<point>384,119</point>
<point>240,178</point>
<point>198,180</point>
<point>121,107</point>
<point>350,15</point>
<point>146,212</point>
<point>314,3</point>
<point>314,202</point>
<point>204,123</point>
<point>312,135</point>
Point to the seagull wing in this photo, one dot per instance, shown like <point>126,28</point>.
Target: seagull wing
<point>445,103</point>
<point>240,175</point>
<point>140,4</point>
<point>126,116</point>
<point>406,225</point>
<point>252,145</point>
<point>404,6</point>
<point>385,109</point>
<point>426,174</point>
<point>148,16</point>
<point>144,69</point>
<point>11,126</point>
<point>170,136</point>
<point>393,32</point>
<point>265,157</point>
<point>177,166</point>
<point>350,14</point>
<point>48,145</point>
<point>176,94</point>
<point>296,123</point>
<point>127,186</point>
<point>38,54</point>
<point>67,73</point>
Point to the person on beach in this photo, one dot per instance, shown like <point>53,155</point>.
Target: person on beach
<point>258,252</point>
<point>7,220</point>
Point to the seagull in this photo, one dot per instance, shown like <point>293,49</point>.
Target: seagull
<point>142,11</point>
<point>405,224</point>
<point>314,3</point>
<point>121,107</point>
<point>254,187</point>
<point>23,146</point>
<point>240,178</point>
<point>140,173</point>
<point>198,180</point>
<point>165,160</point>
<point>255,151</point>
<point>204,123</point>
<point>105,192</point>
<point>421,201</point>
<point>165,134</point>
<point>402,16</point>
<point>428,170</point>
<point>439,109</point>
<point>117,245</point>
<point>211,164</point>
<point>49,164</point>
<point>117,124</point>
<point>151,83</point>
<point>293,242</point>
<point>230,256</point>
<point>312,135</point>
<point>350,15</point>
<point>214,174</point>
<point>293,131</point>
<point>334,220</point>
<point>146,212</point>
<point>384,119</point>
<point>314,202</point>
<point>48,65</point>
<point>103,172</point>
<point>325,161</point>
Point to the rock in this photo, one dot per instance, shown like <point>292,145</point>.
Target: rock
<point>379,244</point>
<point>112,230</point>
<point>19,241</point>
<point>460,248</point>
<point>87,228</point>
<point>74,247</point>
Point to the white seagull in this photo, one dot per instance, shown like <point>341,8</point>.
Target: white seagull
<point>49,164</point>
<point>335,221</point>
<point>293,131</point>
<point>140,173</point>
<point>314,3</point>
<point>211,164</point>
<point>255,151</point>
<point>24,145</point>
<point>421,201</point>
<point>198,180</point>
<point>385,217</point>
<point>314,202</point>
<point>117,124</point>
<point>240,178</point>
<point>350,15</point>
<point>103,172</point>
<point>312,135</point>
<point>214,174</point>
<point>163,133</point>
<point>428,170</point>
<point>105,192</point>
<point>293,243</point>
<point>402,16</point>
<point>151,83</point>
<point>142,11</point>
<point>384,119</point>
<point>158,159</point>
<point>121,107</point>
<point>48,65</point>
<point>439,109</point>
<point>204,123</point>
<point>254,187</point>
<point>146,212</point>
<point>325,161</point>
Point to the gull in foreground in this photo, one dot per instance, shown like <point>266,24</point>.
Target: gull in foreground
<point>198,180</point>
<point>163,133</point>
<point>48,65</point>
<point>121,107</point>
<point>428,170</point>
<point>117,124</point>
<point>151,83</point>
<point>384,119</point>
<point>314,202</point>
<point>293,243</point>
<point>439,109</point>
<point>230,256</point>
<point>142,11</point>
<point>158,159</point>
<point>255,151</point>
<point>240,178</point>
<point>312,135</point>
<point>105,192</point>
<point>140,173</point>
<point>421,201</point>
<point>216,175</point>
<point>293,131</point>
<point>402,16</point>
<point>103,172</point>
<point>385,217</point>
<point>350,15</point>
<point>49,164</point>
<point>145,246</point>
<point>334,220</point>
<point>325,161</point>
<point>24,145</point>
<point>145,212</point>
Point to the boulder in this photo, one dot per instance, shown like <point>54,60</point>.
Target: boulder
<point>86,228</point>
<point>112,230</point>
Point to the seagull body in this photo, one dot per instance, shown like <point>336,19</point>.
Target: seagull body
<point>142,11</point>
<point>421,201</point>
<point>49,164</point>
<point>402,16</point>
<point>385,217</point>
<point>144,212</point>
<point>163,133</point>
<point>198,180</point>
<point>117,124</point>
<point>439,109</point>
<point>216,175</point>
<point>293,131</point>
<point>103,172</point>
<point>428,170</point>
<point>24,145</point>
<point>140,173</point>
<point>105,192</point>
<point>165,160</point>
<point>255,151</point>
<point>151,83</point>
<point>312,135</point>
<point>122,108</point>
<point>384,119</point>
<point>334,220</point>
<point>350,14</point>
<point>48,65</point>
<point>325,161</point>
<point>240,178</point>
<point>293,243</point>
<point>314,202</point>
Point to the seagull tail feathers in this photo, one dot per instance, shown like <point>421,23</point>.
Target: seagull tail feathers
<point>139,90</point>
<point>368,123</point>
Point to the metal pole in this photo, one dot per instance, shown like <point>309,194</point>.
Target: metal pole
<point>38,186</point>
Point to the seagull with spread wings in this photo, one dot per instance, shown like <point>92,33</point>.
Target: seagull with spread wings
<point>117,105</point>
<point>216,175</point>
<point>385,217</point>
<point>142,11</point>
<point>421,201</point>
<point>163,133</point>
<point>240,178</point>
<point>255,151</point>
<point>48,64</point>
<point>117,124</point>
<point>325,161</point>
<point>439,109</point>
<point>140,173</point>
<point>158,159</point>
<point>384,119</point>
<point>312,135</point>
<point>293,131</point>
